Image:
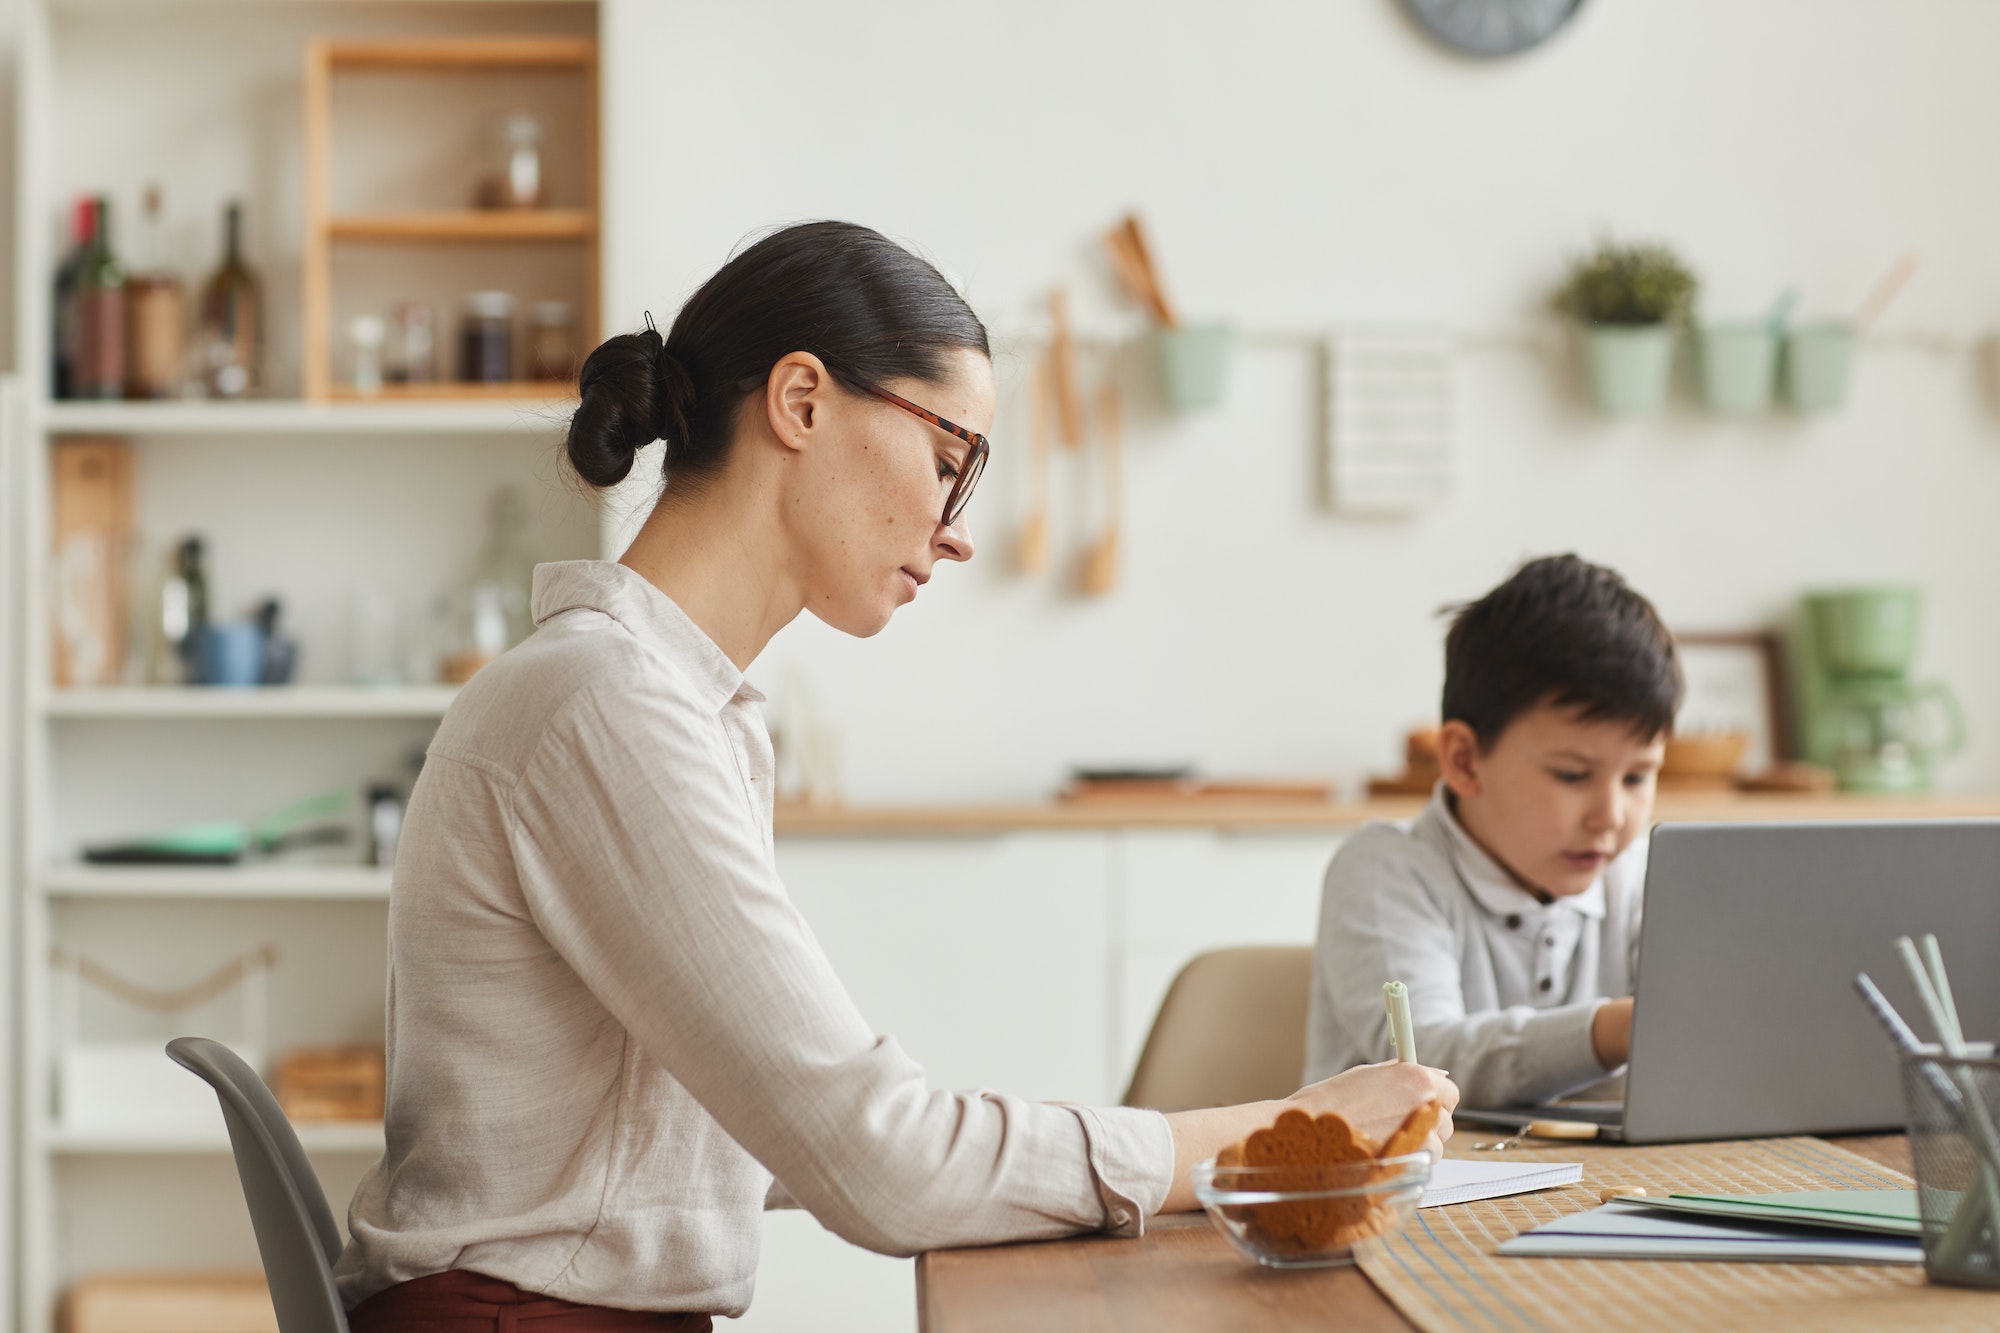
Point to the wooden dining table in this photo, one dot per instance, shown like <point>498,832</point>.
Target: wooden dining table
<point>1181,1275</point>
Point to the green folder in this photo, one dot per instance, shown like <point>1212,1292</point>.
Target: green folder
<point>1882,1212</point>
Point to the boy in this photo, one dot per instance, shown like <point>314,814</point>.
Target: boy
<point>1511,906</point>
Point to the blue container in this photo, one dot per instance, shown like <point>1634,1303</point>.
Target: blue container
<point>232,656</point>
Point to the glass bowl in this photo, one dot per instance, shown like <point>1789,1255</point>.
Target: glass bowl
<point>1310,1216</point>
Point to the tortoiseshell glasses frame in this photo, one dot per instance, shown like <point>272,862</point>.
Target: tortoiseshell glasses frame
<point>975,458</point>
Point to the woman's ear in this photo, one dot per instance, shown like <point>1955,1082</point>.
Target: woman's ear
<point>1458,758</point>
<point>795,395</point>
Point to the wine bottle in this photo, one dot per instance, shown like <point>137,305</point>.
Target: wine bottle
<point>156,314</point>
<point>83,229</point>
<point>100,315</point>
<point>232,319</point>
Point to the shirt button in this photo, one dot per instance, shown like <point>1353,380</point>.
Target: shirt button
<point>1513,923</point>
<point>1546,983</point>
<point>1549,942</point>
<point>1120,1218</point>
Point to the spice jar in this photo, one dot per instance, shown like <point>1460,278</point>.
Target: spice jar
<point>412,353</point>
<point>517,181</point>
<point>364,334</point>
<point>486,339</point>
<point>551,341</point>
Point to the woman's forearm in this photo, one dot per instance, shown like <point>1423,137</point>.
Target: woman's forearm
<point>1199,1135</point>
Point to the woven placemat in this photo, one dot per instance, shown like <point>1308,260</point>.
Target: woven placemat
<point>1443,1273</point>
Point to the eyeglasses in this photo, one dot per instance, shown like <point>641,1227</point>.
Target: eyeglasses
<point>975,458</point>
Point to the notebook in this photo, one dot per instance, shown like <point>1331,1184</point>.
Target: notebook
<point>1884,1212</point>
<point>1630,1230</point>
<point>1462,1182</point>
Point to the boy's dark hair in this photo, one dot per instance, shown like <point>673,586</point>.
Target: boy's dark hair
<point>1566,632</point>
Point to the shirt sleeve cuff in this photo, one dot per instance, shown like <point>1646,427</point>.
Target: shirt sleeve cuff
<point>1558,1052</point>
<point>1131,1162</point>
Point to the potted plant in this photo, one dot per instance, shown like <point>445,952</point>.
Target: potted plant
<point>1630,300</point>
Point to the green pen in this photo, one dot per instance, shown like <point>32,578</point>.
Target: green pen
<point>1397,996</point>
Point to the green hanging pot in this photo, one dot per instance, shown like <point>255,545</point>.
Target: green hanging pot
<point>1629,366</point>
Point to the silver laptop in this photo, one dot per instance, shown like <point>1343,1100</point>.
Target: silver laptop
<point>1747,1023</point>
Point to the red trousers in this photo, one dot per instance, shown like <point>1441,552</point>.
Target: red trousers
<point>462,1302</point>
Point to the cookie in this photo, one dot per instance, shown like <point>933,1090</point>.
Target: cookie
<point>1414,1131</point>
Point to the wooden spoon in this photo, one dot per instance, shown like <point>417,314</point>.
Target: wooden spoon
<point>1100,562</point>
<point>1033,554</point>
<point>1062,358</point>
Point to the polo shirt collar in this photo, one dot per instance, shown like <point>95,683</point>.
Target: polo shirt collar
<point>1489,882</point>
<point>650,615</point>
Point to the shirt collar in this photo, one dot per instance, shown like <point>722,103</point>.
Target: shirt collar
<point>1489,882</point>
<point>652,617</point>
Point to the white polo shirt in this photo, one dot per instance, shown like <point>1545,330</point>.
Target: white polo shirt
<point>1503,986</point>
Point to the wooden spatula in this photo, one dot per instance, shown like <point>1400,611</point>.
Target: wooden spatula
<point>1133,260</point>
<point>1062,360</point>
<point>1033,554</point>
<point>1100,563</point>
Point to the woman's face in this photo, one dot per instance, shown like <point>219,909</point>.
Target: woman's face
<point>868,524</point>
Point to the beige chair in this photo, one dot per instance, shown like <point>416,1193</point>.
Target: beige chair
<point>1232,1029</point>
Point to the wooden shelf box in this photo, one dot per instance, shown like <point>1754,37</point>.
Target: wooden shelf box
<point>472,229</point>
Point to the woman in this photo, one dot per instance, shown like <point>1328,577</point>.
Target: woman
<point>612,1039</point>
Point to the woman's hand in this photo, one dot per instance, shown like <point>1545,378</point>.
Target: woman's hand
<point>1376,1099</point>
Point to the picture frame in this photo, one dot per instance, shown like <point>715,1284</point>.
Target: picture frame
<point>1736,681</point>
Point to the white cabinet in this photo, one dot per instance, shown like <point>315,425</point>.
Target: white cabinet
<point>1181,892</point>
<point>983,957</point>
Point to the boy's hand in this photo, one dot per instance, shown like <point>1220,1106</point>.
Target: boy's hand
<point>1376,1099</point>
<point>1611,1032</point>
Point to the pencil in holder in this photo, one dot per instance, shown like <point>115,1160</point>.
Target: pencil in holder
<point>1954,1110</point>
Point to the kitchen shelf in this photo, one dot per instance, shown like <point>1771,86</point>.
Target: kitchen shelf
<point>469,53</point>
<point>276,701</point>
<point>359,1137</point>
<point>405,413</point>
<point>526,394</point>
<point>261,882</point>
<point>326,231</point>
<point>496,224</point>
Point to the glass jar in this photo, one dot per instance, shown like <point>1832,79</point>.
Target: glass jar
<point>551,341</point>
<point>486,339</point>
<point>364,336</point>
<point>412,352</point>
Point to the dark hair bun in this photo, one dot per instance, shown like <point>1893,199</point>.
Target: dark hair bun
<point>865,306</point>
<point>631,393</point>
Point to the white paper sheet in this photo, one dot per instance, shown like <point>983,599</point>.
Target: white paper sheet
<point>1462,1182</point>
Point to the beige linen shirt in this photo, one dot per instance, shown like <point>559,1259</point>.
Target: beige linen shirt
<point>1503,986</point>
<point>609,1029</point>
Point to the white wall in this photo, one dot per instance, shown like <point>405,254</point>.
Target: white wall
<point>1313,164</point>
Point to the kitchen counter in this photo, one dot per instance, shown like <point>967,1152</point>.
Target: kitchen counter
<point>1203,812</point>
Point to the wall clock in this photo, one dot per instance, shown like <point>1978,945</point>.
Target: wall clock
<point>1491,28</point>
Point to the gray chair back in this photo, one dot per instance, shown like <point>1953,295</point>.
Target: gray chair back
<point>296,1234</point>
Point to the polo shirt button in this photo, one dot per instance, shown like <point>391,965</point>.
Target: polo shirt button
<point>1549,942</point>
<point>1546,983</point>
<point>1514,922</point>
<point>1120,1218</point>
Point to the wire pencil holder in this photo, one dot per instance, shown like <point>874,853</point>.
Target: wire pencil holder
<point>1954,1108</point>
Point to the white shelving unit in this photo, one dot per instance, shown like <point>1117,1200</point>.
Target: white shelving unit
<point>287,701</point>
<point>297,499</point>
<point>358,1137</point>
<point>291,420</point>
<point>251,883</point>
